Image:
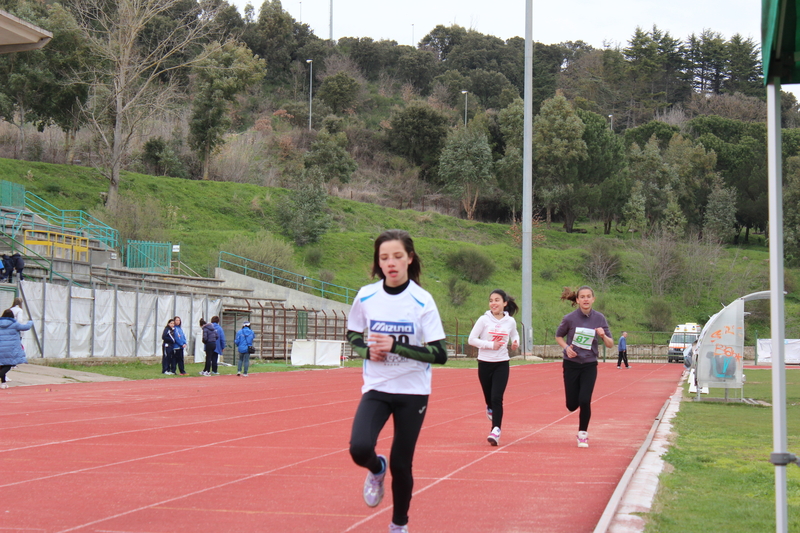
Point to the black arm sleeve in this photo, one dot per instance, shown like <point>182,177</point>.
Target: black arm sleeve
<point>434,352</point>
<point>356,340</point>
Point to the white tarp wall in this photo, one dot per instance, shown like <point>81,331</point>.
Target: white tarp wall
<point>77,322</point>
<point>721,348</point>
<point>791,349</point>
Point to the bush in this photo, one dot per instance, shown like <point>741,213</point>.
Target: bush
<point>314,256</point>
<point>658,315</point>
<point>458,290</point>
<point>473,264</point>
<point>327,276</point>
<point>263,247</point>
<point>600,265</point>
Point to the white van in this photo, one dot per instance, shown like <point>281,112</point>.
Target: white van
<point>683,337</point>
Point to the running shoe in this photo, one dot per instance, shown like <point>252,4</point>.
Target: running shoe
<point>489,413</point>
<point>494,437</point>
<point>397,529</point>
<point>3,385</point>
<point>373,485</point>
<point>583,439</point>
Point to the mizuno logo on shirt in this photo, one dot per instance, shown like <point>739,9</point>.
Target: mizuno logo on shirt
<point>391,327</point>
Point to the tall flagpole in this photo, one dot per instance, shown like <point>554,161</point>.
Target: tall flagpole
<point>527,184</point>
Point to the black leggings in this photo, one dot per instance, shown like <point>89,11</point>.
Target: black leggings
<point>623,357</point>
<point>579,380</point>
<point>408,411</point>
<point>494,378</point>
<point>3,371</point>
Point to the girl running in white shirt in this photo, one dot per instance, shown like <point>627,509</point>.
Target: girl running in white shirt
<point>395,326</point>
<point>491,335</point>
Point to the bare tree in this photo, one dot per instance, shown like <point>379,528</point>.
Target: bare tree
<point>660,262</point>
<point>142,46</point>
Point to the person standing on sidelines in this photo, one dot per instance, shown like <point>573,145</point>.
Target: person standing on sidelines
<point>16,308</point>
<point>491,334</point>
<point>209,346</point>
<point>220,344</point>
<point>11,351</point>
<point>623,350</point>
<point>394,326</point>
<point>577,335</point>
<point>244,344</point>
<point>179,348</point>
<point>167,348</point>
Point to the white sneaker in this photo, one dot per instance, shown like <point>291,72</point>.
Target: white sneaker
<point>238,373</point>
<point>583,439</point>
<point>373,485</point>
<point>3,385</point>
<point>244,375</point>
<point>494,437</point>
<point>489,413</point>
<point>397,529</point>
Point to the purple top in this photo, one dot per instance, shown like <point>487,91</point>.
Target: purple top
<point>578,330</point>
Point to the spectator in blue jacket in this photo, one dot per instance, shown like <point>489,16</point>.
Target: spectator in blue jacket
<point>220,343</point>
<point>180,346</point>
<point>11,351</point>
<point>8,268</point>
<point>244,341</point>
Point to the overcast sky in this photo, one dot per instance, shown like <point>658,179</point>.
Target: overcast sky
<point>592,21</point>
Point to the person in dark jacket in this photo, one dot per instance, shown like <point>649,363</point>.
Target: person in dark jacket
<point>11,351</point>
<point>167,348</point>
<point>19,264</point>
<point>210,346</point>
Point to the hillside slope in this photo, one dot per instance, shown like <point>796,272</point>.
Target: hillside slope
<point>203,216</point>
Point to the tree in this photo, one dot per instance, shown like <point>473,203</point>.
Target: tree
<point>442,39</point>
<point>135,81</point>
<point>329,157</point>
<point>720,216</point>
<point>602,168</point>
<point>304,217</point>
<point>339,91</point>
<point>225,72</point>
<point>418,132</point>
<point>272,38</point>
<point>558,149</point>
<point>465,166</point>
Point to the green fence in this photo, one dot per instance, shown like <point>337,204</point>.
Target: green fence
<point>153,257</point>
<point>12,194</point>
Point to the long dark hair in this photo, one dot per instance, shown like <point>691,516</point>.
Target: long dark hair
<point>414,269</point>
<point>572,295</point>
<point>511,305</point>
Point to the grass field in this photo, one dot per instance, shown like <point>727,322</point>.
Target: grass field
<point>718,477</point>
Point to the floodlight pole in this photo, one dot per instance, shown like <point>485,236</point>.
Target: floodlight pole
<point>310,88</point>
<point>466,94</point>
<point>527,185</point>
<point>780,457</point>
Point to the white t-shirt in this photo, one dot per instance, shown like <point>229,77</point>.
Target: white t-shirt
<point>410,317</point>
<point>488,329</point>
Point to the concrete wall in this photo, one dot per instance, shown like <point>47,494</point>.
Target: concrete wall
<point>291,297</point>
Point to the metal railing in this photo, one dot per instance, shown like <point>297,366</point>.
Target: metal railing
<point>272,274</point>
<point>34,257</point>
<point>75,220</point>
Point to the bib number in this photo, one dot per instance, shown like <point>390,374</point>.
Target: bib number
<point>583,338</point>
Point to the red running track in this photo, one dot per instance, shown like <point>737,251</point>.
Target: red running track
<point>269,454</point>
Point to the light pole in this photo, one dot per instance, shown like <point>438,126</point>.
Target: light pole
<point>465,93</point>
<point>310,88</point>
<point>611,117</point>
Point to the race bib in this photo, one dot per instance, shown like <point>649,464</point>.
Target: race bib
<point>583,338</point>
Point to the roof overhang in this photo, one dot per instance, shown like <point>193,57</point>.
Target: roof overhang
<point>16,35</point>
